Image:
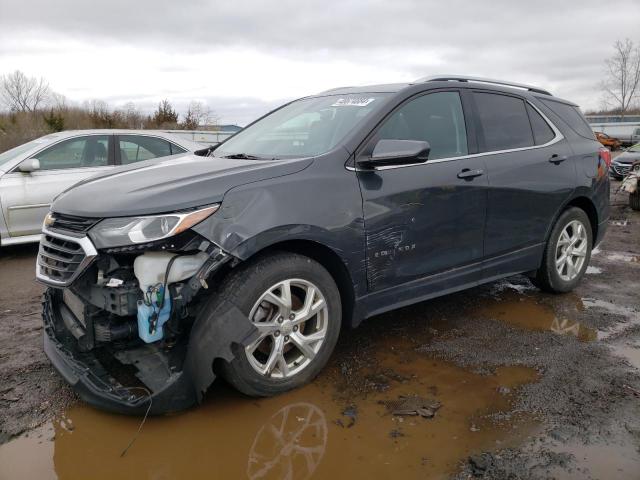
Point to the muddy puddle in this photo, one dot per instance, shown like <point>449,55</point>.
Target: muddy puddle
<point>319,431</point>
<point>529,313</point>
<point>526,312</point>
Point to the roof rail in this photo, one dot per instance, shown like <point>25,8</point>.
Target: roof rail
<point>464,78</point>
<point>334,90</point>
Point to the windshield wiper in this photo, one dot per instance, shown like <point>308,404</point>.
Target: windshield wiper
<point>243,156</point>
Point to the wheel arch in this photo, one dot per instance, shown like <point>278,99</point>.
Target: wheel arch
<point>586,204</point>
<point>582,202</point>
<point>326,257</point>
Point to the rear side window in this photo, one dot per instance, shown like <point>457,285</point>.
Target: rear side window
<point>436,118</point>
<point>135,148</point>
<point>572,116</point>
<point>542,132</point>
<point>504,120</point>
<point>176,149</point>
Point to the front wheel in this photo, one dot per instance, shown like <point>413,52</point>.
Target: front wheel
<point>295,306</point>
<point>567,253</point>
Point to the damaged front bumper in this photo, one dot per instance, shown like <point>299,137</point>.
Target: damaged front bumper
<point>91,336</point>
<point>99,387</point>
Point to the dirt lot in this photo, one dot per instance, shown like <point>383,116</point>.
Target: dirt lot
<point>501,381</point>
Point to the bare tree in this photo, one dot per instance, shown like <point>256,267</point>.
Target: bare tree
<point>623,75</point>
<point>23,94</point>
<point>198,115</point>
<point>132,118</point>
<point>59,101</point>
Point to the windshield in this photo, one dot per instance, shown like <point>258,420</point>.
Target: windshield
<point>20,149</point>
<point>304,128</point>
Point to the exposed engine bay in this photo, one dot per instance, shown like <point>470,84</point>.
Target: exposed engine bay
<point>125,322</point>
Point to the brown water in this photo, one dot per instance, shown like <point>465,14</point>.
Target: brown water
<point>528,313</point>
<point>292,436</point>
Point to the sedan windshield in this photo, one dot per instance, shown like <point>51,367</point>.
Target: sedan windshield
<point>304,128</point>
<point>635,148</point>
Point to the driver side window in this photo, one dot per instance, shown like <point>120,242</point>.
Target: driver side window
<point>90,151</point>
<point>436,118</point>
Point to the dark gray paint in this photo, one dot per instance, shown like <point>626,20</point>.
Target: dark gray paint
<point>465,231</point>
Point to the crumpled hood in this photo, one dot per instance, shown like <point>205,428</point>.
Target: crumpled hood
<point>173,183</point>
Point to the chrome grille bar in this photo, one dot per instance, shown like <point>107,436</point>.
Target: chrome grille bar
<point>61,258</point>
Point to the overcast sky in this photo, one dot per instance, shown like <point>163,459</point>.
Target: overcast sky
<point>245,57</point>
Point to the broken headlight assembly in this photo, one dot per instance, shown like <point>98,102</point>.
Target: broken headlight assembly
<point>119,231</point>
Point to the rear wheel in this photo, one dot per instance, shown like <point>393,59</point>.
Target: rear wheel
<point>567,253</point>
<point>295,305</point>
<point>634,200</point>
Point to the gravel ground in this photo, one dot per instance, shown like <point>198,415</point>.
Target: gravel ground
<point>30,391</point>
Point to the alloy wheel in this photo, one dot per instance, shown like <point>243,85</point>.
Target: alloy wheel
<point>571,250</point>
<point>292,319</point>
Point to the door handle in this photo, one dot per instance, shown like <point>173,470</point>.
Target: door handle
<point>468,174</point>
<point>557,159</point>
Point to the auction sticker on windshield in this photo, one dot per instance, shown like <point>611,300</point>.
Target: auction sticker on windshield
<point>353,102</point>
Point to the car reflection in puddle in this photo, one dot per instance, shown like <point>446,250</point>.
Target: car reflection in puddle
<point>290,445</point>
<point>525,312</point>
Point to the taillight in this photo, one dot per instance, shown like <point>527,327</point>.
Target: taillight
<point>605,155</point>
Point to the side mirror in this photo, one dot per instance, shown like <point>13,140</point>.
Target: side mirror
<point>396,152</point>
<point>29,165</point>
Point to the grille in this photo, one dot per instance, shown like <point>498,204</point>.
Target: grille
<point>621,169</point>
<point>62,258</point>
<point>72,223</point>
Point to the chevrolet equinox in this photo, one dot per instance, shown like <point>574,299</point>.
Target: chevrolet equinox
<point>328,210</point>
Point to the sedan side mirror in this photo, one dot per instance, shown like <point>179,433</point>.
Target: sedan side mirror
<point>29,165</point>
<point>396,152</point>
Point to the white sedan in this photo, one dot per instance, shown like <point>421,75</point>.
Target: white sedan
<point>31,175</point>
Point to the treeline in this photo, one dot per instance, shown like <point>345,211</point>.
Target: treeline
<point>614,111</point>
<point>30,109</point>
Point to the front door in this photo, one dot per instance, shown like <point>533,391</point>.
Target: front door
<point>26,197</point>
<point>425,219</point>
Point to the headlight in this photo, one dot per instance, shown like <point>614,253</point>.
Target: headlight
<point>116,232</point>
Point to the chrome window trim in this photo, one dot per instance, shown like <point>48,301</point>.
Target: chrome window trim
<point>558,137</point>
<point>90,254</point>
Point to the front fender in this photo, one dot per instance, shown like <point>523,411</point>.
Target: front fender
<point>296,207</point>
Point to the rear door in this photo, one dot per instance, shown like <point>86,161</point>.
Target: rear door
<point>530,175</point>
<point>28,196</point>
<point>428,218</point>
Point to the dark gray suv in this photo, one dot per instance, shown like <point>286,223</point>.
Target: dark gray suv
<point>329,210</point>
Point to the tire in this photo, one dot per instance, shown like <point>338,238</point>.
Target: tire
<point>246,288</point>
<point>634,200</point>
<point>548,278</point>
